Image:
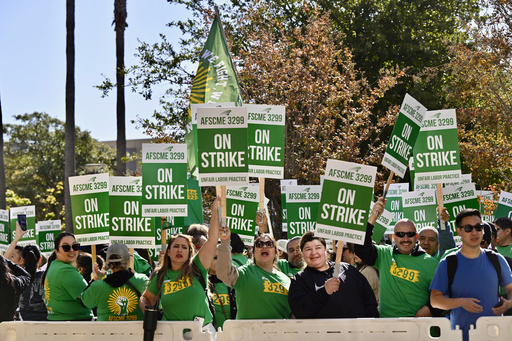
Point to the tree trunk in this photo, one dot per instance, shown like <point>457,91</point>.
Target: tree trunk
<point>3,202</point>
<point>69,152</point>
<point>120,26</point>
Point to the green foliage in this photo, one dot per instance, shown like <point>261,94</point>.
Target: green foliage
<point>34,160</point>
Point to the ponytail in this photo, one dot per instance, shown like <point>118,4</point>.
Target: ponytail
<point>31,255</point>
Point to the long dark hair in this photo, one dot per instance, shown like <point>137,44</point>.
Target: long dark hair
<point>7,288</point>
<point>31,255</point>
<point>53,256</point>
<point>188,269</point>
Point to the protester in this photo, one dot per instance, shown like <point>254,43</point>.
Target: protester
<point>436,241</point>
<point>181,280</point>
<point>261,289</point>
<point>348,255</point>
<point>63,283</point>
<point>84,264</point>
<point>504,236</point>
<point>199,234</point>
<point>222,295</point>
<point>473,290</point>
<point>295,261</point>
<point>315,293</point>
<point>117,296</point>
<point>13,281</point>
<point>31,304</point>
<point>405,270</point>
<point>281,248</point>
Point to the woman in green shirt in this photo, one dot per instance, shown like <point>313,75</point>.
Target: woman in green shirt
<point>63,283</point>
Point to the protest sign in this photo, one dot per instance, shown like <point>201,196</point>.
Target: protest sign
<point>30,212</point>
<point>403,137</point>
<point>504,208</point>
<point>241,207</point>
<point>346,196</point>
<point>170,227</point>
<point>436,152</point>
<point>46,232</point>
<point>394,200</point>
<point>266,134</point>
<point>458,198</point>
<point>222,144</point>
<point>284,184</point>
<point>302,209</point>
<point>4,230</point>
<point>420,207</point>
<point>127,225</point>
<point>383,225</point>
<point>164,180</point>
<point>90,208</point>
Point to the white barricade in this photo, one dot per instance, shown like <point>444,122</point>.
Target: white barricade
<point>98,331</point>
<point>367,329</point>
<point>496,328</point>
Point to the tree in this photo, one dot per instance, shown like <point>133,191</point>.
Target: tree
<point>120,26</point>
<point>35,163</point>
<point>3,203</point>
<point>69,150</point>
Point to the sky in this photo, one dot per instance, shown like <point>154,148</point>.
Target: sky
<point>33,59</point>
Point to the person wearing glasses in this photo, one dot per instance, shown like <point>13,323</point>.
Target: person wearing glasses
<point>405,269</point>
<point>63,283</point>
<point>466,299</point>
<point>261,289</point>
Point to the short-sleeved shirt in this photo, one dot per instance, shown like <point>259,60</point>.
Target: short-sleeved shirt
<point>63,285</point>
<point>505,250</point>
<point>286,268</point>
<point>404,281</point>
<point>476,278</point>
<point>183,299</point>
<point>261,294</point>
<point>116,304</point>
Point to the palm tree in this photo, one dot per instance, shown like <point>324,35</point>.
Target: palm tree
<point>3,202</point>
<point>69,152</point>
<point>120,26</point>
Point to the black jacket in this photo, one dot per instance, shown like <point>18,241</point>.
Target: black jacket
<point>308,298</point>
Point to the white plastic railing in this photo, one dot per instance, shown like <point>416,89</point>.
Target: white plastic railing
<point>495,328</point>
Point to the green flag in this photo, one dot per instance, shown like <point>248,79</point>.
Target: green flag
<point>215,82</point>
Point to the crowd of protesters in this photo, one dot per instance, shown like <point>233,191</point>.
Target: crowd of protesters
<point>209,275</point>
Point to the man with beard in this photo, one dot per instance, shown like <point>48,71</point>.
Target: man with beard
<point>405,269</point>
<point>295,262</point>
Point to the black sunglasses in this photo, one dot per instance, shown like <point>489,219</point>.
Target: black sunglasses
<point>409,234</point>
<point>469,228</point>
<point>259,244</point>
<point>67,248</point>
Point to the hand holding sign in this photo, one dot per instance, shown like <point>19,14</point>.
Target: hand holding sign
<point>378,209</point>
<point>332,285</point>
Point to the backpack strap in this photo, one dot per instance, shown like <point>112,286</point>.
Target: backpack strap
<point>451,262</point>
<point>210,301</point>
<point>133,287</point>
<point>493,257</point>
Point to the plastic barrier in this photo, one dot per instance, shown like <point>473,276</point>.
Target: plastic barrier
<point>496,328</point>
<point>98,331</point>
<point>382,329</point>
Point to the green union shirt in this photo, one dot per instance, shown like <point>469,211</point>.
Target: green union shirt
<point>183,299</point>
<point>63,285</point>
<point>286,268</point>
<point>116,304</point>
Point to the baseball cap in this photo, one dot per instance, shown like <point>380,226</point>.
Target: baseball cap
<point>117,253</point>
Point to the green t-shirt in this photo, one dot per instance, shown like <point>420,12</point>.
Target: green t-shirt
<point>286,268</point>
<point>505,250</point>
<point>239,260</point>
<point>261,294</point>
<point>63,285</point>
<point>221,300</point>
<point>404,281</point>
<point>116,304</point>
<point>141,265</point>
<point>183,299</point>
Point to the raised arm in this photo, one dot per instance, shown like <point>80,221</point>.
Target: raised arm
<point>446,240</point>
<point>207,251</point>
<point>17,237</point>
<point>225,269</point>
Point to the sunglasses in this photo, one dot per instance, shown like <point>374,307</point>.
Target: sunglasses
<point>469,228</point>
<point>409,234</point>
<point>67,248</point>
<point>259,244</point>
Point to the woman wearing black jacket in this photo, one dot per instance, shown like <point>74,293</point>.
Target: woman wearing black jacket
<point>13,280</point>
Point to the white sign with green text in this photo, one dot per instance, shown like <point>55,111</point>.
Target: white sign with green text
<point>164,180</point>
<point>284,185</point>
<point>421,208</point>
<point>302,208</point>
<point>4,230</point>
<point>90,208</point>
<point>504,208</point>
<point>241,207</point>
<point>46,232</point>
<point>30,212</point>
<point>344,205</point>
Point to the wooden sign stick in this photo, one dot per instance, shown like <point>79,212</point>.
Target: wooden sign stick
<point>339,254</point>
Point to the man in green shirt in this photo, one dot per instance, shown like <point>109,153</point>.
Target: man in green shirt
<point>504,238</point>
<point>295,262</point>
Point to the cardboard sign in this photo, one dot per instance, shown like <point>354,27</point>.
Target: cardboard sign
<point>458,198</point>
<point>222,144</point>
<point>46,232</point>
<point>241,207</point>
<point>284,185</point>
<point>302,209</point>
<point>266,133</point>
<point>164,180</point>
<point>421,208</point>
<point>504,208</point>
<point>128,226</point>
<point>4,230</point>
<point>90,208</point>
<point>403,137</point>
<point>394,201</point>
<point>436,152</point>
<point>346,197</point>
<point>30,212</point>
